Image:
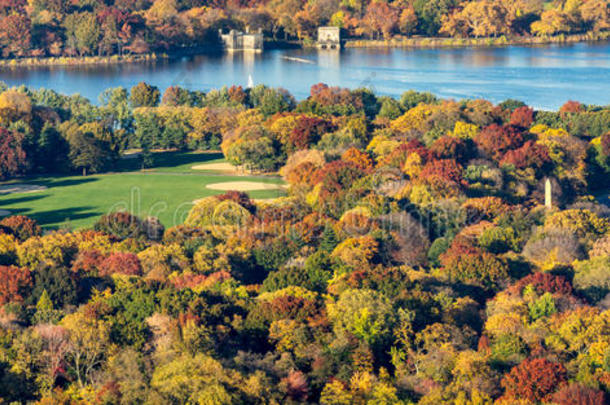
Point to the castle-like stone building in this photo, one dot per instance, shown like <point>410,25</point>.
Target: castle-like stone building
<point>240,41</point>
<point>329,38</point>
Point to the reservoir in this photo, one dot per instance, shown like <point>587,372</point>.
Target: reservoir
<point>544,77</point>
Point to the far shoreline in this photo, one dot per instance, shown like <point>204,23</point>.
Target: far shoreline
<point>486,42</point>
<point>410,42</point>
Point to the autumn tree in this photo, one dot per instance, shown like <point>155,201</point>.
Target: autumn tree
<point>12,156</point>
<point>15,35</point>
<point>380,17</point>
<point>88,153</point>
<point>192,379</point>
<point>484,18</point>
<point>144,95</point>
<point>468,264</point>
<point>364,313</point>
<point>175,96</point>
<point>496,140</point>
<point>121,225</point>
<point>522,117</point>
<point>16,283</point>
<point>552,21</point>
<point>534,380</point>
<point>89,340</point>
<point>21,226</point>
<point>82,32</point>
<point>14,105</point>
<point>574,393</point>
<point>122,263</point>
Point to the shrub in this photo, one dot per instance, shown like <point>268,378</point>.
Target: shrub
<point>121,225</point>
<point>21,226</point>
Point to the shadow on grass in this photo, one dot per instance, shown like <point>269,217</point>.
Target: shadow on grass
<point>63,181</point>
<point>17,211</point>
<point>55,217</point>
<point>167,160</point>
<point>6,202</point>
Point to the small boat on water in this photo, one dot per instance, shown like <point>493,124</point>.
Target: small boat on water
<point>300,60</point>
<point>250,82</point>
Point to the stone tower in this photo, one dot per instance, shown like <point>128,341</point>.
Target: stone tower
<point>548,196</point>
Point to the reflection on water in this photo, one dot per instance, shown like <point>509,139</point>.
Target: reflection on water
<point>544,77</point>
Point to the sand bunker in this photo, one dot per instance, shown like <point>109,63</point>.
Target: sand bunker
<point>243,186</point>
<point>217,167</point>
<point>21,188</point>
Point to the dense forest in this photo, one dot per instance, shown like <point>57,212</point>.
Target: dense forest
<point>412,260</point>
<point>38,28</point>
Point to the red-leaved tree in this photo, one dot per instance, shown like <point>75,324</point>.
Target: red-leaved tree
<point>543,283</point>
<point>522,117</point>
<point>122,263</point>
<point>534,380</point>
<point>573,394</point>
<point>12,156</point>
<point>496,140</point>
<point>15,282</point>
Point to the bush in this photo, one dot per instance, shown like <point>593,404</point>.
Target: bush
<point>21,226</point>
<point>121,225</point>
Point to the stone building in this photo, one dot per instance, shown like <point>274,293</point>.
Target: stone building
<point>240,41</point>
<point>329,38</point>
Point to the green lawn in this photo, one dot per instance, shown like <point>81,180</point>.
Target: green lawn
<point>166,192</point>
<point>173,162</point>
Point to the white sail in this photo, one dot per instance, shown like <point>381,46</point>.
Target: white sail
<point>250,82</point>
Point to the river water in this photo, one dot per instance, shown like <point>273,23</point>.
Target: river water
<point>544,77</point>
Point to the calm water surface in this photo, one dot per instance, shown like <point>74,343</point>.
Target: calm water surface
<point>544,77</point>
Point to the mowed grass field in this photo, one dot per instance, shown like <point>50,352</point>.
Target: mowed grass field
<point>167,192</point>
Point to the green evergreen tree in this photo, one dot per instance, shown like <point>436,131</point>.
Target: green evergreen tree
<point>45,313</point>
<point>329,240</point>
